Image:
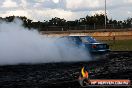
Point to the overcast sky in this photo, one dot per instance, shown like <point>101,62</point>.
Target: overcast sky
<point>40,10</point>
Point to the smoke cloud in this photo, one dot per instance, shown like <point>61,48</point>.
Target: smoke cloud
<point>19,45</point>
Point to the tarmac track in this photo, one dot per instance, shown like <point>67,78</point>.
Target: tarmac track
<point>117,65</point>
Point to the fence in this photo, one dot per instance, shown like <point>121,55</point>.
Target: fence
<point>83,27</point>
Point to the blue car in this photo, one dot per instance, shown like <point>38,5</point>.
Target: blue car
<point>91,44</point>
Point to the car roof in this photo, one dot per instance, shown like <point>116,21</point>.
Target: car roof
<point>79,36</point>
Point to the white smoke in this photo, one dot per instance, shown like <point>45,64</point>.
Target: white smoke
<point>20,45</point>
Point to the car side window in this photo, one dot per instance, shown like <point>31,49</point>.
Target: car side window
<point>88,39</point>
<point>84,39</point>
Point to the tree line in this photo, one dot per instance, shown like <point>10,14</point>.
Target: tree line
<point>96,21</point>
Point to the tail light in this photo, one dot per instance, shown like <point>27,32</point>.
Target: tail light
<point>94,46</point>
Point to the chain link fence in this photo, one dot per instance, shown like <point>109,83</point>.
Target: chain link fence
<point>85,27</point>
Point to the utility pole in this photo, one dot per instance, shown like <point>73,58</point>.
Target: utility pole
<point>105,16</point>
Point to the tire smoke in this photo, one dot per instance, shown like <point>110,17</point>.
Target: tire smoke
<point>19,45</point>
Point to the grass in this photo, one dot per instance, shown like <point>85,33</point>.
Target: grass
<point>120,45</point>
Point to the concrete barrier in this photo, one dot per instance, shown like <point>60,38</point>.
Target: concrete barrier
<point>119,35</point>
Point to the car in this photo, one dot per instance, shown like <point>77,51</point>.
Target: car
<point>89,43</point>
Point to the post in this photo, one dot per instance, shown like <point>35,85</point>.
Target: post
<point>94,26</point>
<point>131,23</point>
<point>105,16</point>
<point>85,27</point>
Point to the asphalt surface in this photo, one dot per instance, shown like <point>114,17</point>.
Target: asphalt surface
<point>117,65</point>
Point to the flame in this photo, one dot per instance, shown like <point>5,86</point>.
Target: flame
<point>84,73</point>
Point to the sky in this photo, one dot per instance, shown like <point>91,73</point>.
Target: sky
<point>40,10</point>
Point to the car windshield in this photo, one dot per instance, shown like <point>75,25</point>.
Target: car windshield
<point>88,39</point>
